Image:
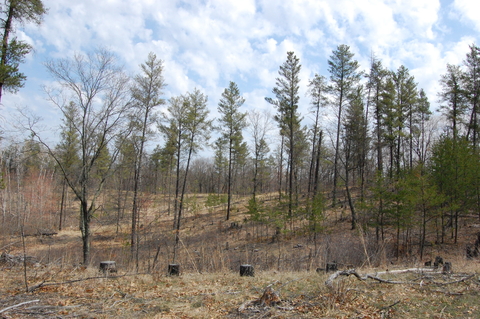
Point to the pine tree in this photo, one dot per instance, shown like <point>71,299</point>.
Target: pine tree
<point>187,119</point>
<point>231,124</point>
<point>421,138</point>
<point>455,168</point>
<point>375,86</point>
<point>405,99</point>
<point>13,51</point>
<point>472,91</point>
<point>344,77</point>
<point>317,90</point>
<point>452,97</point>
<point>288,118</point>
<point>354,142</point>
<point>389,118</point>
<point>68,153</point>
<point>146,93</point>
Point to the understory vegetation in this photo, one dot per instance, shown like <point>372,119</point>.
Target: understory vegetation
<point>211,251</point>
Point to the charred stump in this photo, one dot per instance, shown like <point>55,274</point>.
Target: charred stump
<point>333,266</point>
<point>174,270</point>
<point>438,261</point>
<point>246,270</point>
<point>447,267</point>
<point>108,266</point>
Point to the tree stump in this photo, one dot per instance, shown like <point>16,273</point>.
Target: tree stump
<point>477,242</point>
<point>331,267</point>
<point>469,252</point>
<point>235,225</point>
<point>447,267</point>
<point>173,269</point>
<point>246,270</point>
<point>438,261</point>
<point>108,266</point>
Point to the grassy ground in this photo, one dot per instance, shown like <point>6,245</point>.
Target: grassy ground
<point>209,286</point>
<point>220,295</point>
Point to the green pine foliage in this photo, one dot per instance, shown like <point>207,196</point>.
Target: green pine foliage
<point>13,51</point>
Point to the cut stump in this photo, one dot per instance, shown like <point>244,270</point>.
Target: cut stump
<point>108,266</point>
<point>173,269</point>
<point>447,267</point>
<point>246,270</point>
<point>438,261</point>
<point>331,266</point>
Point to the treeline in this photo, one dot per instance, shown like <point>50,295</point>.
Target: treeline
<point>386,159</point>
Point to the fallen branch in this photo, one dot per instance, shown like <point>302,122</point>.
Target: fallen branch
<point>390,306</point>
<point>329,281</point>
<point>449,293</point>
<point>18,305</point>
<point>33,288</point>
<point>386,281</point>
<point>49,307</point>
<point>15,242</point>
<point>401,271</point>
<point>454,282</point>
<point>15,260</point>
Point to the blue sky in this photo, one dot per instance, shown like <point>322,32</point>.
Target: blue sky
<point>205,44</point>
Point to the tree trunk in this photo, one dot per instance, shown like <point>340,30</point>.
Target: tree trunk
<point>317,165</point>
<point>6,33</point>
<point>229,185</point>
<point>280,171</point>
<point>180,205</point>
<point>62,206</point>
<point>134,235</point>
<point>350,200</point>
<point>290,173</point>
<point>85,229</point>
<point>337,151</point>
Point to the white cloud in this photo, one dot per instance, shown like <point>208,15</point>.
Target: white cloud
<point>469,9</point>
<point>420,16</point>
<point>205,44</point>
<point>455,53</point>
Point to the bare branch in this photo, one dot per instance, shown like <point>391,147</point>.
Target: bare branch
<point>18,305</point>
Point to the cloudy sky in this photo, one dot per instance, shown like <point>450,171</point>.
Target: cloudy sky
<point>205,44</point>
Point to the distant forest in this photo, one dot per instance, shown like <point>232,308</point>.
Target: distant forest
<point>386,159</point>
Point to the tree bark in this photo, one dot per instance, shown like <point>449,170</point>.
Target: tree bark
<point>6,34</point>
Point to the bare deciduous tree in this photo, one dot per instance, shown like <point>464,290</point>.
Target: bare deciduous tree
<point>93,90</point>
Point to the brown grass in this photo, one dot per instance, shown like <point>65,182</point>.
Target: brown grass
<point>219,295</point>
<point>209,286</point>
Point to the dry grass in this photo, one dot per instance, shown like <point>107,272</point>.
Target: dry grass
<point>210,286</point>
<point>219,295</point>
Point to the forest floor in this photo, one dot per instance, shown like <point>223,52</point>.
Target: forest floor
<point>80,293</point>
<point>289,281</point>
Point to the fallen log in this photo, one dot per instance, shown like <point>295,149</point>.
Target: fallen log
<point>331,278</point>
